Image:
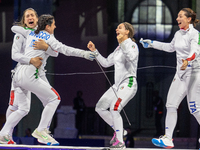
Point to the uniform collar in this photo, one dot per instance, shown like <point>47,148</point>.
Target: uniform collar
<point>125,41</point>
<point>185,31</point>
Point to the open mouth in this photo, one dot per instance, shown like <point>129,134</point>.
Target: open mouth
<point>31,23</point>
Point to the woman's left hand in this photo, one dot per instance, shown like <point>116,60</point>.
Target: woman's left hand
<point>184,65</point>
<point>91,46</point>
<point>120,38</point>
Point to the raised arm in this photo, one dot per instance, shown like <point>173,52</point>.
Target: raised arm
<point>167,47</point>
<point>68,50</point>
<point>21,30</point>
<point>105,62</point>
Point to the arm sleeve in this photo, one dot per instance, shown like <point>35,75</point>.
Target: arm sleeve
<point>167,47</point>
<point>64,49</point>
<point>51,52</point>
<point>23,31</point>
<point>130,50</point>
<point>17,52</point>
<point>105,62</point>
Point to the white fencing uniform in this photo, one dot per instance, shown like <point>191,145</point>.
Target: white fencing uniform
<point>125,60</point>
<point>186,82</point>
<point>27,76</point>
<point>30,52</point>
<point>183,43</point>
<point>18,48</point>
<point>20,100</point>
<point>49,39</point>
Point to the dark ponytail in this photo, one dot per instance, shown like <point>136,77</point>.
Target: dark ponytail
<point>44,20</point>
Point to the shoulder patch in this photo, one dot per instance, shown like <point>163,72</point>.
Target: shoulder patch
<point>133,46</point>
<point>17,37</point>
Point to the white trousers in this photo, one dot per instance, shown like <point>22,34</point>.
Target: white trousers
<point>124,92</point>
<point>26,78</point>
<point>188,86</point>
<point>22,99</point>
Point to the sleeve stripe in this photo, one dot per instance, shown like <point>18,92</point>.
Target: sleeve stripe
<point>191,58</point>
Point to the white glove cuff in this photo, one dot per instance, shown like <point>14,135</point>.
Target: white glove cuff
<point>96,53</point>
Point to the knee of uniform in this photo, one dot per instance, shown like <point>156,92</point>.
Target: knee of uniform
<point>115,114</point>
<point>44,103</point>
<point>171,104</point>
<point>58,96</point>
<point>118,109</point>
<point>58,101</point>
<point>101,106</point>
<point>12,108</point>
<point>98,109</point>
<point>115,110</point>
<point>54,102</point>
<point>171,109</point>
<point>23,112</point>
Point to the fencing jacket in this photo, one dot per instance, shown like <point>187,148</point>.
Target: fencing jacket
<point>186,45</point>
<point>125,60</point>
<point>18,51</point>
<point>53,43</point>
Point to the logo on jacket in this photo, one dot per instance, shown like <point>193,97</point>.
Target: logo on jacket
<point>41,35</point>
<point>193,106</point>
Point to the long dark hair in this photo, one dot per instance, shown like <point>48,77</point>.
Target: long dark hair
<point>44,20</point>
<point>21,22</point>
<point>190,13</point>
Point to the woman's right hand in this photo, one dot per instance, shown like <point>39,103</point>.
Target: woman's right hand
<point>146,43</point>
<point>91,46</point>
<point>36,61</point>
<point>40,44</point>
